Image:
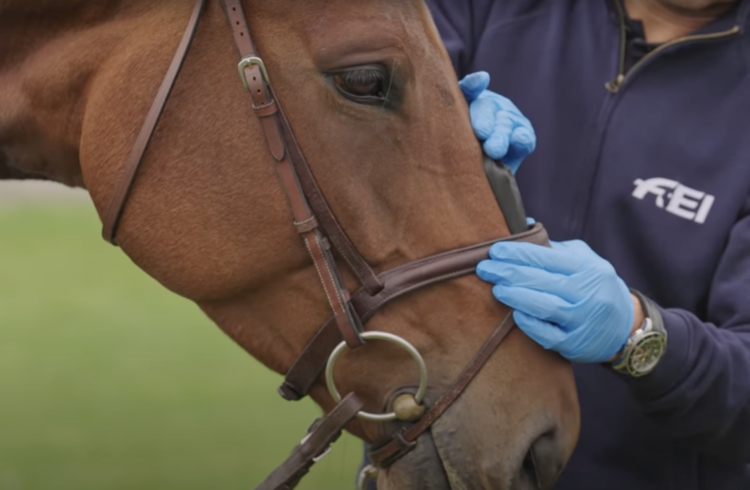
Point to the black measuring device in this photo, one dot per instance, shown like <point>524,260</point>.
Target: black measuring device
<point>507,195</point>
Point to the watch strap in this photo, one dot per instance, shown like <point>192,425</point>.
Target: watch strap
<point>651,311</point>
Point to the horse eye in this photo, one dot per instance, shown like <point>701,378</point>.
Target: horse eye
<point>365,85</point>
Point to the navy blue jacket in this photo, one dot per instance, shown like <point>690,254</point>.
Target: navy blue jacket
<point>656,178</point>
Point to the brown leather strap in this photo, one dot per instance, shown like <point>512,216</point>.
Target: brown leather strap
<point>357,264</point>
<point>397,282</point>
<point>321,435</point>
<point>116,206</point>
<point>272,120</point>
<point>314,196</point>
<point>404,441</point>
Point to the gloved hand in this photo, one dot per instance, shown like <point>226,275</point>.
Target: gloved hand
<point>566,298</point>
<point>506,134</point>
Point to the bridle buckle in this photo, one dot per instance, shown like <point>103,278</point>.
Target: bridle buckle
<point>249,62</point>
<point>320,456</point>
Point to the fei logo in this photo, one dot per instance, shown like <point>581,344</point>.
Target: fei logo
<point>680,200</point>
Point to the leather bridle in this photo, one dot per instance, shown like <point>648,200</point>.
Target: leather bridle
<point>322,235</point>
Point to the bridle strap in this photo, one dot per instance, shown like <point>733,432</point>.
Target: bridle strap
<point>402,442</point>
<point>116,206</point>
<point>306,181</point>
<point>272,121</point>
<point>328,222</point>
<point>321,435</point>
<point>397,282</point>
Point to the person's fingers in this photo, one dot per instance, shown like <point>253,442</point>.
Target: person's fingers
<point>520,276</point>
<point>546,334</point>
<point>573,246</point>
<point>538,304</point>
<point>561,261</point>
<point>483,114</point>
<point>523,140</point>
<point>497,144</point>
<point>519,120</point>
<point>522,144</point>
<point>552,337</point>
<point>474,84</point>
<point>504,103</point>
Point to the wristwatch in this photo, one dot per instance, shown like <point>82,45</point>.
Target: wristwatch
<point>646,346</point>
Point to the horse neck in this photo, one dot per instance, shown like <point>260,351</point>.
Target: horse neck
<point>51,53</point>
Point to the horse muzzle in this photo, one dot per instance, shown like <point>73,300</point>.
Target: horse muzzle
<point>450,457</point>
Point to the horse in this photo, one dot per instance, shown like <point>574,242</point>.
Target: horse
<point>370,97</point>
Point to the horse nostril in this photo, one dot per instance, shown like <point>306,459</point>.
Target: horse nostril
<point>530,469</point>
<point>542,463</point>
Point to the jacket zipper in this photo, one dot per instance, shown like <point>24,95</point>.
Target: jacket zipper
<point>615,85</point>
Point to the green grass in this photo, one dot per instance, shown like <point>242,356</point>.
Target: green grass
<point>109,382</point>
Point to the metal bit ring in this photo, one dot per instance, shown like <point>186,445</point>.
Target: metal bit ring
<point>388,337</point>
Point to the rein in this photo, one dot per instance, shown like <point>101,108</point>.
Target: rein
<point>322,234</point>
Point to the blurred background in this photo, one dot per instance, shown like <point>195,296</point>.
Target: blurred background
<point>110,382</point>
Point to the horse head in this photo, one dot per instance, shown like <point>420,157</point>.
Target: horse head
<point>374,104</point>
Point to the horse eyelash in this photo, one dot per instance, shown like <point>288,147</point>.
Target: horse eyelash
<point>363,76</point>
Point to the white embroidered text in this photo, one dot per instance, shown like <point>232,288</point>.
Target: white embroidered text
<point>676,198</point>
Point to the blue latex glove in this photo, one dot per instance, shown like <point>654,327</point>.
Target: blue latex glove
<point>566,298</point>
<point>506,134</point>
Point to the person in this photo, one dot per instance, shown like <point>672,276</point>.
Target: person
<point>641,177</point>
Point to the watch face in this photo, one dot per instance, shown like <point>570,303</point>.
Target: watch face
<point>646,353</point>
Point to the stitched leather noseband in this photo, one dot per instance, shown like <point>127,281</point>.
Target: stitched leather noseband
<point>321,234</point>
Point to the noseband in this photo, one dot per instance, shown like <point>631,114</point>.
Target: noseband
<point>322,235</point>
